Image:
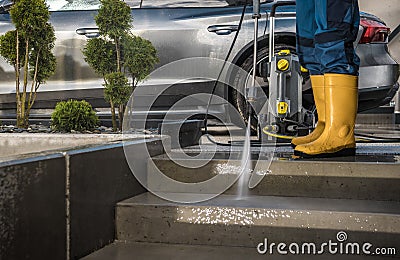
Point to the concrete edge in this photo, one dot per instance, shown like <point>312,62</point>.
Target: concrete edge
<point>76,185</point>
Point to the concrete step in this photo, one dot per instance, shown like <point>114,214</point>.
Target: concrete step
<point>156,251</point>
<point>229,220</point>
<point>317,179</point>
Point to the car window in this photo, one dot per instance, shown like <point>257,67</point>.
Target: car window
<point>184,3</point>
<point>72,5</point>
<point>133,3</point>
<point>65,5</point>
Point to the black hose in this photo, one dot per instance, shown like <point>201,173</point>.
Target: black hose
<point>394,33</point>
<point>378,139</point>
<point>219,76</point>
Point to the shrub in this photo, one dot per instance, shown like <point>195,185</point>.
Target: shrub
<point>74,115</point>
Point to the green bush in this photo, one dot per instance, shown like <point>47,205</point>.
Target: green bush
<point>74,115</point>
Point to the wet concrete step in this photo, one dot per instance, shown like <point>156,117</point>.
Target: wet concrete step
<point>229,220</point>
<point>318,179</point>
<point>156,251</point>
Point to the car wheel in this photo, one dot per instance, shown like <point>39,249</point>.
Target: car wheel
<point>237,99</point>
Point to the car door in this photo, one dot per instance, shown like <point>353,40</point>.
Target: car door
<point>180,30</point>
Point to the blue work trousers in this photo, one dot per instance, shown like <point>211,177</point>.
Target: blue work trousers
<point>326,31</point>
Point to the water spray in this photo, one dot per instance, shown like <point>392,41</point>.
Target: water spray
<point>251,99</point>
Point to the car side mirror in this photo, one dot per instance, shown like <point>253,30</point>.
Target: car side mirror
<point>5,6</point>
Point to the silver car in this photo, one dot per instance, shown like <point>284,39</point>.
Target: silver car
<point>185,29</point>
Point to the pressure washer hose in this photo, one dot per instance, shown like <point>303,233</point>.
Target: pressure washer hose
<point>364,137</point>
<point>219,76</point>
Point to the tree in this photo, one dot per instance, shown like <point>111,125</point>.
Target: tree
<point>139,58</point>
<point>28,50</point>
<point>100,55</point>
<point>114,20</point>
<point>118,53</point>
<point>117,91</point>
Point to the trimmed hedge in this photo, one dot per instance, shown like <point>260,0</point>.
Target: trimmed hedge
<point>74,115</point>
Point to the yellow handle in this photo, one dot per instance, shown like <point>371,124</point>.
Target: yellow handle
<point>283,64</point>
<point>303,69</point>
<point>283,107</point>
<point>284,52</point>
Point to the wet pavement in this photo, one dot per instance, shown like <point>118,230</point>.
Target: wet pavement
<point>375,143</point>
<point>310,200</point>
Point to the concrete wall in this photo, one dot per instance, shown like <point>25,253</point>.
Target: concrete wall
<point>387,10</point>
<point>61,206</point>
<point>32,209</point>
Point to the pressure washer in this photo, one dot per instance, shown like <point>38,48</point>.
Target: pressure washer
<point>284,113</point>
<point>280,118</point>
<point>283,117</point>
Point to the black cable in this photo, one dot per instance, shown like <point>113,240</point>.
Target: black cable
<point>394,33</point>
<point>380,138</point>
<point>219,76</point>
<point>266,24</point>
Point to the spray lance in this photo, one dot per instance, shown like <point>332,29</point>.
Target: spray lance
<point>283,72</point>
<point>252,93</point>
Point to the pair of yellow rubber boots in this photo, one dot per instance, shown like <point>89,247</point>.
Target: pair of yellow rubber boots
<point>335,97</point>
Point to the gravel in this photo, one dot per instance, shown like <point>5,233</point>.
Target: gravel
<point>34,128</point>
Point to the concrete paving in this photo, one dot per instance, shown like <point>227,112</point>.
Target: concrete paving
<point>285,150</point>
<point>156,251</point>
<point>375,180</point>
<point>147,218</point>
<point>303,201</point>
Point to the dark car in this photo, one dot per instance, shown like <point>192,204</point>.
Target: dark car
<point>186,29</point>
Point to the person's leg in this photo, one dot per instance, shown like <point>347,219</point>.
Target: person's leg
<point>317,84</point>
<point>337,27</point>
<point>306,29</point>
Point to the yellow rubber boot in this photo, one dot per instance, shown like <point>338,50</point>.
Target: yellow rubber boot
<point>337,139</point>
<point>317,84</point>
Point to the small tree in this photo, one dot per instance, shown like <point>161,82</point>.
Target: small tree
<point>28,49</point>
<point>114,21</point>
<point>139,58</point>
<point>118,51</point>
<point>100,55</point>
<point>117,91</point>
